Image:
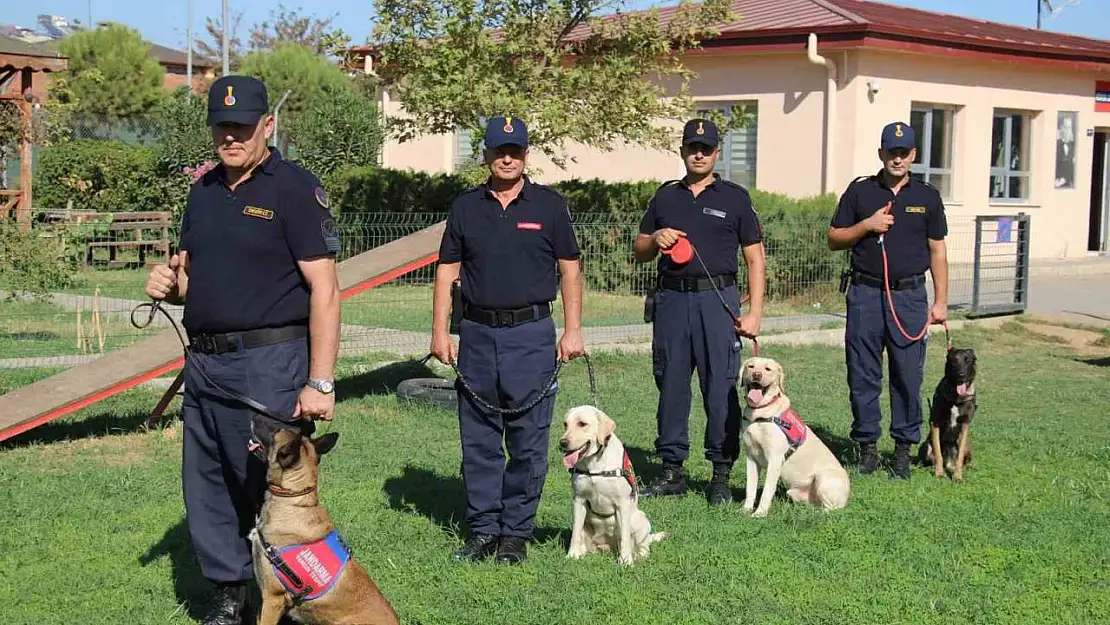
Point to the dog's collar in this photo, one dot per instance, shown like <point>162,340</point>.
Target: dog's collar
<point>284,492</point>
<point>625,471</point>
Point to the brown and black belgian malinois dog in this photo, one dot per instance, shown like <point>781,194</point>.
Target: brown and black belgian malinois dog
<point>301,563</point>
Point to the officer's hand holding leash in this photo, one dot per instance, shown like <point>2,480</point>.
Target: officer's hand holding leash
<point>312,404</point>
<point>664,238</point>
<point>880,221</point>
<point>162,282</point>
<point>444,348</point>
<point>571,345</point>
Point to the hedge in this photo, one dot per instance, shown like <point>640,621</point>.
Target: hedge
<point>380,204</point>
<point>104,176</point>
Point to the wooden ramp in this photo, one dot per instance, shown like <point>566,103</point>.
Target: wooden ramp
<point>81,386</point>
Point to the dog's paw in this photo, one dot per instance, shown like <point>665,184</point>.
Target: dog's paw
<point>760,513</point>
<point>576,554</point>
<point>624,560</point>
<point>749,507</point>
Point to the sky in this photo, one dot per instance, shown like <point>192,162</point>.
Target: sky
<point>165,22</point>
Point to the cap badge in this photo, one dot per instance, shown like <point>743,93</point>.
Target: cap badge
<point>229,100</point>
<point>508,127</point>
<point>898,130</point>
<point>701,129</point>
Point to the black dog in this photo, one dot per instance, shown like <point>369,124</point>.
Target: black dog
<point>953,406</point>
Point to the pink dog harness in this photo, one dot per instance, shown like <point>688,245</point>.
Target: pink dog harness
<point>792,426</point>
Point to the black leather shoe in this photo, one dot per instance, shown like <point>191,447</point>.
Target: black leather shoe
<point>670,483</point>
<point>477,547</point>
<point>512,550</point>
<point>868,458</point>
<point>228,605</point>
<point>718,492</point>
<point>901,461</point>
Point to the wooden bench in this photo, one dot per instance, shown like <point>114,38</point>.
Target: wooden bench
<point>130,230</point>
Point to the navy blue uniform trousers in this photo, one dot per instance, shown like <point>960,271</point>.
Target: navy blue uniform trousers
<point>694,330</point>
<point>222,482</point>
<point>506,367</point>
<point>870,329</point>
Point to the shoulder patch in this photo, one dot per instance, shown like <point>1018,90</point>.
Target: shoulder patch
<point>321,196</point>
<point>330,234</point>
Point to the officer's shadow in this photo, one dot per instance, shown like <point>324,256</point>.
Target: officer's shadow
<point>442,500</point>
<point>189,585</point>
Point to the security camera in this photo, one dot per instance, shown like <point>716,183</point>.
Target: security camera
<point>873,86</point>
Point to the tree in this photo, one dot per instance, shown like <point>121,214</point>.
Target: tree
<point>111,72</point>
<point>340,130</point>
<point>309,76</point>
<point>215,51</point>
<point>315,34</point>
<point>573,74</point>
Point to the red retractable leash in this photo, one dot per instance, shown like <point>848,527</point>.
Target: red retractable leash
<point>890,299</point>
<point>683,252</point>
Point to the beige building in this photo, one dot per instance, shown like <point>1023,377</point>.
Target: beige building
<point>1008,119</point>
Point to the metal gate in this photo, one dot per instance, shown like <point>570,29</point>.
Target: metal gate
<point>1000,274</point>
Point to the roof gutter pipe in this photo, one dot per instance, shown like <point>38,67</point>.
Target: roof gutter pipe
<point>830,109</point>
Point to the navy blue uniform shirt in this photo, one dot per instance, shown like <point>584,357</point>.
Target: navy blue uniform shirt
<point>717,222</point>
<point>509,255</point>
<point>918,216</point>
<point>244,246</point>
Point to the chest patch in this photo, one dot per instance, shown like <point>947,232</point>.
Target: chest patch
<point>713,212</point>
<point>915,209</point>
<point>263,213</point>
<point>528,225</point>
<point>317,565</point>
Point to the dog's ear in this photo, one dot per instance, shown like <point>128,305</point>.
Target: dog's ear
<point>782,376</point>
<point>605,427</point>
<point>290,454</point>
<point>325,443</point>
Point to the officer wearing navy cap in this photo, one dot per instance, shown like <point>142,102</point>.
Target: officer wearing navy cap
<point>506,239</point>
<point>691,327</point>
<point>256,273</point>
<point>909,215</point>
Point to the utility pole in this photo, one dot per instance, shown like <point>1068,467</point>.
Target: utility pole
<point>1040,4</point>
<point>224,29</point>
<point>189,52</point>
<point>90,25</point>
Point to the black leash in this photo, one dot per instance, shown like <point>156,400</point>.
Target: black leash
<point>305,426</point>
<point>735,317</point>
<point>536,400</point>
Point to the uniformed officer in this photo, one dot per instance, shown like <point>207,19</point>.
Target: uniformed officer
<point>505,239</point>
<point>691,326</point>
<point>256,273</point>
<point>908,216</point>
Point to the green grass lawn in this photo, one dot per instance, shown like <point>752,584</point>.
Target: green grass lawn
<point>93,533</point>
<point>31,329</point>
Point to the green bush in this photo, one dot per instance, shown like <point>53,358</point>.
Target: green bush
<point>344,128</point>
<point>103,176</point>
<point>35,262</point>
<point>606,217</point>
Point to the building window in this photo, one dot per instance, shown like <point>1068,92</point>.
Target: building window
<point>465,153</point>
<point>1010,151</point>
<point>736,162</point>
<point>933,164</point>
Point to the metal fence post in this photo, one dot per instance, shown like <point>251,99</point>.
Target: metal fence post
<point>1021,284</point>
<point>976,265</point>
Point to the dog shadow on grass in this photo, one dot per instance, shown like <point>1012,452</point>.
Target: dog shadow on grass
<point>442,500</point>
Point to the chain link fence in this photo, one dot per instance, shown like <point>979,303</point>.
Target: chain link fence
<point>92,317</point>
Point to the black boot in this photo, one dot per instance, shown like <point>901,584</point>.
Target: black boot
<point>477,547</point>
<point>670,483</point>
<point>718,493</point>
<point>868,458</point>
<point>901,461</point>
<point>512,550</point>
<point>228,605</point>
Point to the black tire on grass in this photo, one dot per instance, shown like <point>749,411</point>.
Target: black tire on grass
<point>435,391</point>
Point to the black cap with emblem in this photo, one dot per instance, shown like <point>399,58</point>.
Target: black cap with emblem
<point>237,99</point>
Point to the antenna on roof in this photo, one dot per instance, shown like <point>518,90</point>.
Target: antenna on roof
<point>1053,11</point>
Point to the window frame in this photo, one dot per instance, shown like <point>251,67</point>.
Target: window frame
<point>926,167</point>
<point>1007,115</point>
<point>724,160</point>
<point>458,159</point>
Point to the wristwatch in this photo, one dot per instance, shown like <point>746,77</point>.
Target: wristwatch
<point>324,386</point>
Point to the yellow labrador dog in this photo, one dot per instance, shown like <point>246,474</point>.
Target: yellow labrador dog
<point>606,516</point>
<point>777,440</point>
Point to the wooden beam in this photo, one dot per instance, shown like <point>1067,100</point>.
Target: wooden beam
<point>23,213</point>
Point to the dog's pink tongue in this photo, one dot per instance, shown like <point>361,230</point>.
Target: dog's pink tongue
<point>755,395</point>
<point>961,389</point>
<point>571,459</point>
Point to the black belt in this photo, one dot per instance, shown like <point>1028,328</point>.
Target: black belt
<point>674,283</point>
<point>234,341</point>
<point>909,282</point>
<point>506,317</point>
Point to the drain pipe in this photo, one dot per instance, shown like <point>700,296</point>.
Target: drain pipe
<point>830,109</point>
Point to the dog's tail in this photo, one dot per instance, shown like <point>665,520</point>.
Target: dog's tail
<point>656,537</point>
